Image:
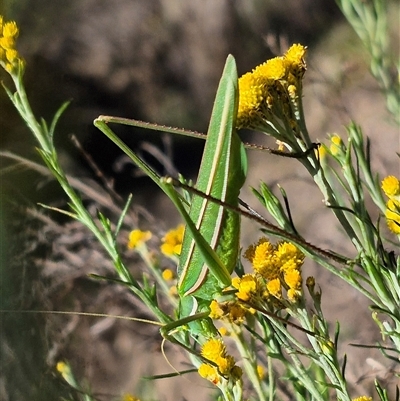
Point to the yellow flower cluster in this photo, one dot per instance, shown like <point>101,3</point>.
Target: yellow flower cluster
<point>270,88</point>
<point>221,364</point>
<point>276,267</point>
<point>391,187</point>
<point>232,311</point>
<point>9,57</point>
<point>138,238</point>
<point>362,398</point>
<point>172,241</point>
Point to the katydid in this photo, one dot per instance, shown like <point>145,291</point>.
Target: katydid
<point>211,241</point>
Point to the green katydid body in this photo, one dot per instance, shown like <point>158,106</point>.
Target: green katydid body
<point>211,241</point>
<point>222,173</point>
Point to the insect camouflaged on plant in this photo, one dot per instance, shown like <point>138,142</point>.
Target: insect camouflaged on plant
<point>211,242</point>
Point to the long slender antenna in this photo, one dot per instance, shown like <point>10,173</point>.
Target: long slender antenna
<point>199,135</point>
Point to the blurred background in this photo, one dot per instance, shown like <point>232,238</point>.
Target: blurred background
<point>157,61</point>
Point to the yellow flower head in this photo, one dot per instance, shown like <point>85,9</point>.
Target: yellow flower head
<point>272,70</point>
<point>223,331</point>
<point>274,288</point>
<point>236,313</point>
<point>288,256</point>
<point>247,286</point>
<point>391,186</point>
<point>295,57</point>
<point>209,372</point>
<point>173,290</point>
<point>260,372</point>
<point>225,364</point>
<point>261,257</point>
<point>362,398</point>
<point>293,279</point>
<point>321,152</point>
<point>9,58</point>
<point>10,30</point>
<point>138,238</point>
<point>392,215</point>
<point>336,145</point>
<point>65,371</point>
<point>279,265</point>
<point>251,95</point>
<point>172,241</point>
<point>11,55</point>
<point>271,85</point>
<point>213,349</point>
<point>216,311</point>
<point>7,42</point>
<point>233,311</point>
<point>168,275</point>
<point>293,295</point>
<point>62,368</point>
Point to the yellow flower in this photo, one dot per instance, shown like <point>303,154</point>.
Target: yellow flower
<point>260,372</point>
<point>288,256</point>
<point>173,290</point>
<point>321,152</point>
<point>267,87</point>
<point>274,288</point>
<point>9,57</point>
<point>10,29</point>
<point>391,186</point>
<point>272,70</point>
<point>262,258</point>
<point>293,295</point>
<point>225,364</point>
<point>7,42</point>
<point>233,311</point>
<point>279,265</point>
<point>362,398</point>
<point>295,56</point>
<point>138,238</point>
<point>168,275</point>
<point>209,372</point>
<point>236,313</point>
<point>65,371</point>
<point>216,312</point>
<point>293,279</point>
<point>251,95</point>
<point>62,368</point>
<point>392,215</point>
<point>172,241</point>
<point>247,286</point>
<point>223,331</point>
<point>213,349</point>
<point>336,145</point>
